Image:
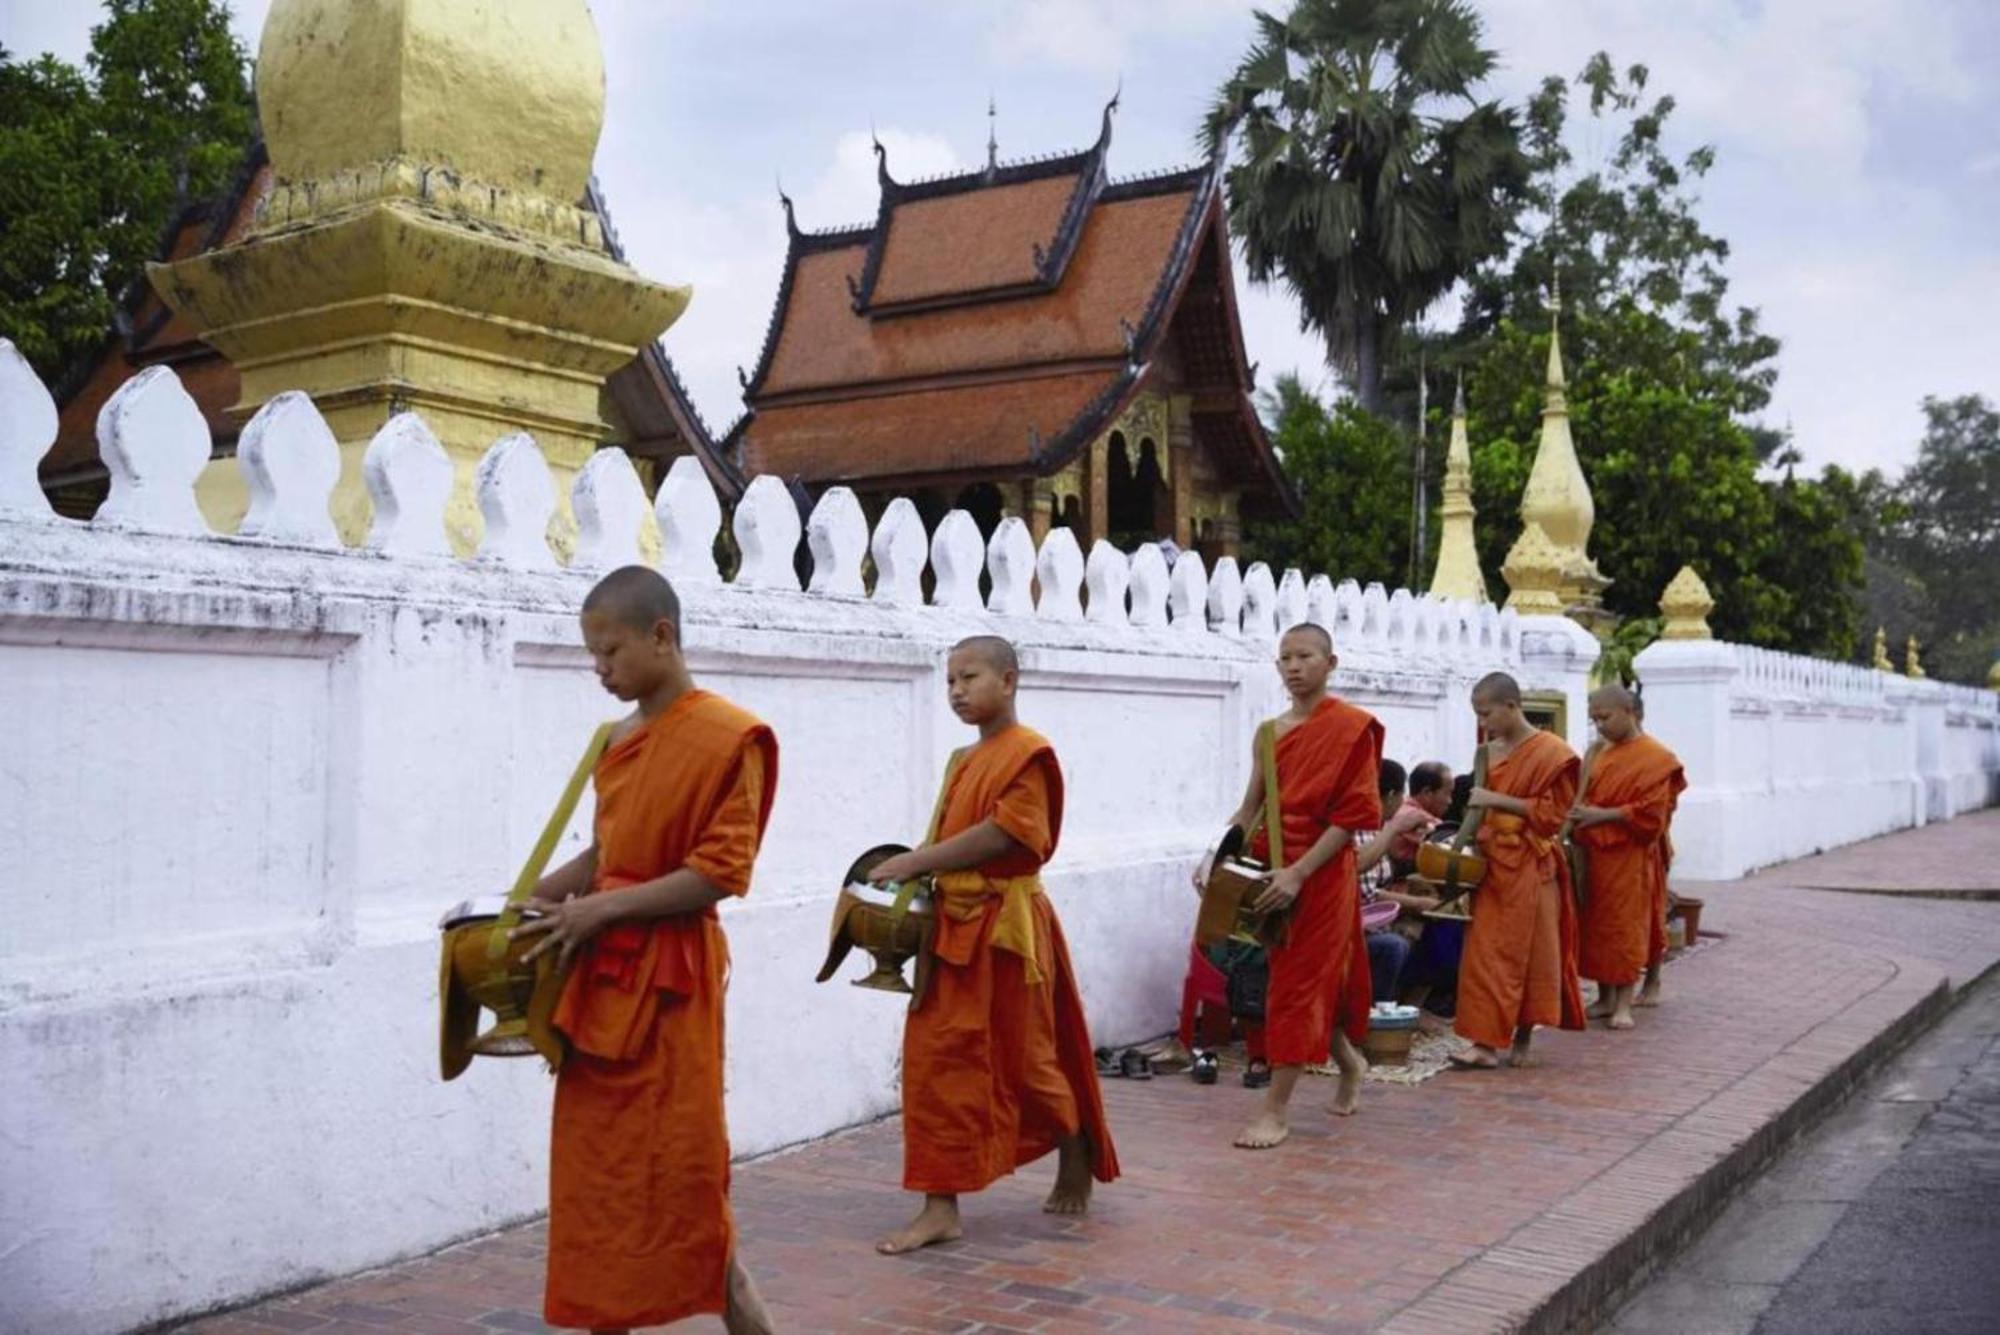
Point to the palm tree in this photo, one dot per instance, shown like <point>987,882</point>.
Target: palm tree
<point>1353,182</point>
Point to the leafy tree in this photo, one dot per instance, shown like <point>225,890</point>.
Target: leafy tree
<point>1624,232</point>
<point>93,168</point>
<point>1936,563</point>
<point>1353,186</point>
<point>1352,473</point>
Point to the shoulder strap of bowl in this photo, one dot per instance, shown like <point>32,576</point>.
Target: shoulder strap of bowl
<point>907,891</point>
<point>545,847</point>
<point>1267,757</point>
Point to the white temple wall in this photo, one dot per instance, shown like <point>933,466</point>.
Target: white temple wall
<point>243,776</point>
<point>1788,756</point>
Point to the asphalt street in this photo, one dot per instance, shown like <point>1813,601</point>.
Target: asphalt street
<point>1886,1218</point>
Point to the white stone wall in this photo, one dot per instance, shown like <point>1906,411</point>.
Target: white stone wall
<point>1788,756</point>
<point>242,775</point>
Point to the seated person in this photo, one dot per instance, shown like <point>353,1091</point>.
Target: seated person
<point>1385,863</point>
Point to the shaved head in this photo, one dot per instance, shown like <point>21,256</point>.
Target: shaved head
<point>1498,688</point>
<point>994,651</point>
<point>1314,630</point>
<point>1615,696</point>
<point>635,596</point>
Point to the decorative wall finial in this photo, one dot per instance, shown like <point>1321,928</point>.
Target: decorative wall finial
<point>1881,661</point>
<point>1912,666</point>
<point>1686,604</point>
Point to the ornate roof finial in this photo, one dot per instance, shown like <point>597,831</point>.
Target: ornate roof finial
<point>1104,131</point>
<point>1458,397</point>
<point>881,157</point>
<point>785,200</point>
<point>992,134</point>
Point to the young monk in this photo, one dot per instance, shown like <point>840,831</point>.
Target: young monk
<point>640,1232</point>
<point>997,1063</point>
<point>1620,820</point>
<point>1519,967</point>
<point>1328,754</point>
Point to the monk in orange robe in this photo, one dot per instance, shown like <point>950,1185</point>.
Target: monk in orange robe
<point>1621,819</point>
<point>1328,757</point>
<point>1519,967</point>
<point>997,1062</point>
<point>640,1232</point>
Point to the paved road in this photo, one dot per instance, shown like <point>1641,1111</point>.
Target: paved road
<point>1884,1219</point>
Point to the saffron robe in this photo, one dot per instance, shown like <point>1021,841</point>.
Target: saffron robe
<point>1327,775</point>
<point>997,1062</point>
<point>1626,902</point>
<point>640,1232</point>
<point>1519,965</point>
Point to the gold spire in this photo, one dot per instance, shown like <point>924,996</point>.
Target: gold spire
<point>1912,666</point>
<point>1685,604</point>
<point>1557,498</point>
<point>426,241</point>
<point>1457,574</point>
<point>1534,574</point>
<point>1882,663</point>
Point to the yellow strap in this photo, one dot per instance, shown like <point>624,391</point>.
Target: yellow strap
<point>951,768</point>
<point>964,894</point>
<point>1267,755</point>
<point>545,847</point>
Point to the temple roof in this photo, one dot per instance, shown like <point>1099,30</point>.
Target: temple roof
<point>1000,320</point>
<point>647,393</point>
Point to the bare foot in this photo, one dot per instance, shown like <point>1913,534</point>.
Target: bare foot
<point>1598,1010</point>
<point>1481,1058</point>
<point>1071,1194</point>
<point>1432,1025</point>
<point>745,1314</point>
<point>1649,995</point>
<point>1518,1055</point>
<point>1266,1130</point>
<point>1352,1067</point>
<point>936,1222</point>
<point>1620,1019</point>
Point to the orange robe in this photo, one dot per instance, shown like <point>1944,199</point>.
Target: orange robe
<point>1519,967</point>
<point>997,1064</point>
<point>640,1232</point>
<point>1327,775</point>
<point>1627,893</point>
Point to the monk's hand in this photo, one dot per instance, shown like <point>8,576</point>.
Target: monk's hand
<point>897,868</point>
<point>564,928</point>
<point>1585,816</point>
<point>1280,891</point>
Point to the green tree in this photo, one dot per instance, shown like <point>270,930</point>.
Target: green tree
<point>1352,184</point>
<point>1940,549</point>
<point>94,167</point>
<point>1352,473</point>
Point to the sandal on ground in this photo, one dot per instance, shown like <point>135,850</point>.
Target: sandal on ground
<point>1257,1074</point>
<point>1135,1065</point>
<point>1107,1063</point>
<point>1207,1068</point>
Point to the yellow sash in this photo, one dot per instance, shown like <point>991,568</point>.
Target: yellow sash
<point>964,894</point>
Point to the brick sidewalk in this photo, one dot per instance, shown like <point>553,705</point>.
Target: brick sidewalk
<point>1937,861</point>
<point>1470,1202</point>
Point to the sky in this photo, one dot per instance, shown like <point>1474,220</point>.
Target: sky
<point>1857,176</point>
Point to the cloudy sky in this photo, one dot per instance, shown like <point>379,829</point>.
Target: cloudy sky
<point>1858,177</point>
